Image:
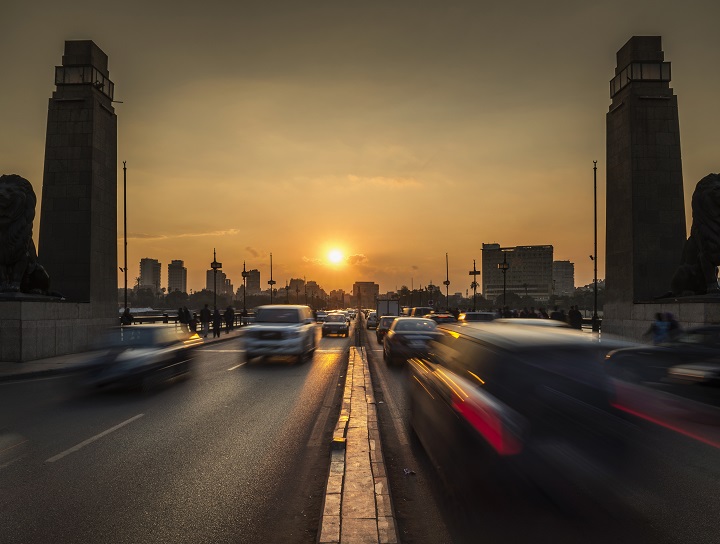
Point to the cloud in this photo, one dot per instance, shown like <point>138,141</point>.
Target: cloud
<point>146,236</point>
<point>356,259</point>
<point>383,181</point>
<point>252,251</point>
<point>310,260</point>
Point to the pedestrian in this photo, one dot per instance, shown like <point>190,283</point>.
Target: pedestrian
<point>192,323</point>
<point>575,318</point>
<point>659,329</point>
<point>673,325</point>
<point>181,319</point>
<point>216,323</point>
<point>205,316</point>
<point>187,316</point>
<point>126,317</point>
<point>543,313</point>
<point>229,319</point>
<point>557,315</point>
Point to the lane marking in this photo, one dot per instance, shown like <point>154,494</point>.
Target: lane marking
<point>92,439</point>
<point>236,366</point>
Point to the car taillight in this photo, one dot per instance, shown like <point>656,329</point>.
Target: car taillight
<point>492,425</point>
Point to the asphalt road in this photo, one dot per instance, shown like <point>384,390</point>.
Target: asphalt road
<point>236,453</point>
<point>670,496</point>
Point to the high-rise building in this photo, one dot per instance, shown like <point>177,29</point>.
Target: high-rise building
<point>150,274</point>
<point>222,282</point>
<point>366,293</point>
<point>177,277</point>
<point>529,271</point>
<point>563,278</point>
<point>253,282</point>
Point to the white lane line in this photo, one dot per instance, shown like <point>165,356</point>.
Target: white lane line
<point>93,439</point>
<point>223,350</point>
<point>236,366</point>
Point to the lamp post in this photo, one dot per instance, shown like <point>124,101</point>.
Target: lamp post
<point>446,283</point>
<point>125,225</point>
<point>271,281</point>
<point>305,285</point>
<point>595,321</point>
<point>474,273</point>
<point>244,277</point>
<point>215,265</point>
<point>503,266</point>
<point>287,293</point>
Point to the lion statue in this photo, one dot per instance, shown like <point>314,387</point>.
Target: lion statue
<point>19,269</point>
<point>697,273</point>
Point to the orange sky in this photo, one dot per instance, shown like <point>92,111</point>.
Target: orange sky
<point>394,132</point>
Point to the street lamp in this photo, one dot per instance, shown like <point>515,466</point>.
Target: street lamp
<point>503,266</point>
<point>271,281</point>
<point>287,293</point>
<point>215,266</point>
<point>446,283</point>
<point>305,285</point>
<point>125,225</point>
<point>595,320</point>
<point>474,273</point>
<point>244,277</point>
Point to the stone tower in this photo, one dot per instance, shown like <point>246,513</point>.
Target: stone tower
<point>645,201</point>
<point>78,222</point>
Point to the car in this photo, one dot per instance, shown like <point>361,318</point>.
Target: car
<point>320,316</point>
<point>442,318</point>
<point>372,320</point>
<point>540,322</point>
<point>336,323</point>
<point>281,330</point>
<point>476,316</point>
<point>408,337</point>
<point>383,326</point>
<point>510,404</point>
<point>141,356</point>
<point>419,311</point>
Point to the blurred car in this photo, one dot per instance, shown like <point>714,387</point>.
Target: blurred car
<point>499,402</point>
<point>408,337</point>
<point>419,311</point>
<point>442,318</point>
<point>372,320</point>
<point>139,356</point>
<point>336,323</point>
<point>320,316</point>
<point>539,322</point>
<point>476,316</point>
<point>383,326</point>
<point>282,330</point>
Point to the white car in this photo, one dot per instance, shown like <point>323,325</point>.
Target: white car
<point>282,330</point>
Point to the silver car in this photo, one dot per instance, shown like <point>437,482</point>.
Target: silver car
<point>281,330</point>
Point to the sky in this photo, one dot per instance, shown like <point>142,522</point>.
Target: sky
<point>394,132</point>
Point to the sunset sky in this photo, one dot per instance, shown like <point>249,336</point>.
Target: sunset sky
<point>393,132</point>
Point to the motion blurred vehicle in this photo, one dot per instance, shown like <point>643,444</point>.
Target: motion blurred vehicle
<point>320,316</point>
<point>336,323</point>
<point>419,311</point>
<point>383,327</point>
<point>688,365</point>
<point>408,337</point>
<point>372,320</point>
<point>501,403</point>
<point>139,356</point>
<point>539,322</point>
<point>476,316</point>
<point>442,318</point>
<point>281,330</point>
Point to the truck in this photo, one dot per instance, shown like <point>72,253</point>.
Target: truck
<point>388,306</point>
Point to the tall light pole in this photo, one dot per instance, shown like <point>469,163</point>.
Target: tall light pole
<point>125,225</point>
<point>503,266</point>
<point>305,285</point>
<point>244,277</point>
<point>271,281</point>
<point>474,273</point>
<point>595,321</point>
<point>287,293</point>
<point>446,283</point>
<point>215,265</point>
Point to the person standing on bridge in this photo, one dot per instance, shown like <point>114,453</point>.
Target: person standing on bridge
<point>229,319</point>
<point>205,316</point>
<point>217,323</point>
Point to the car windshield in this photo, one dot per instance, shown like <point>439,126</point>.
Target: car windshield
<point>277,315</point>
<point>419,325</point>
<point>335,318</point>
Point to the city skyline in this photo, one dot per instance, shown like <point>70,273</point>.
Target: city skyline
<point>396,135</point>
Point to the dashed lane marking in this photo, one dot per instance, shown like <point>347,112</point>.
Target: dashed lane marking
<point>236,366</point>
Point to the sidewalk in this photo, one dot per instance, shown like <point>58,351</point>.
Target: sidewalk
<point>74,362</point>
<point>357,507</point>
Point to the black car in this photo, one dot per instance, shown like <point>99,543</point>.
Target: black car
<point>383,327</point>
<point>495,401</point>
<point>139,356</point>
<point>336,323</point>
<point>408,337</point>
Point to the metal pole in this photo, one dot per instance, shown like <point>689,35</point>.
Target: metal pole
<point>595,323</point>
<point>447,283</point>
<point>271,282</point>
<point>244,277</point>
<point>214,280</point>
<point>125,225</point>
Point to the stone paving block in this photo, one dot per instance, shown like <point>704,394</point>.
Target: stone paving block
<point>335,484</point>
<point>359,531</point>
<point>375,456</point>
<point>378,469</point>
<point>330,532</point>
<point>332,504</point>
<point>381,485</point>
<point>387,534</point>
<point>383,505</point>
<point>358,504</point>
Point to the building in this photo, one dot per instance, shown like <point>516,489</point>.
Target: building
<point>253,282</point>
<point>177,277</point>
<point>150,275</point>
<point>529,271</point>
<point>297,290</point>
<point>224,285</point>
<point>365,293</point>
<point>563,278</point>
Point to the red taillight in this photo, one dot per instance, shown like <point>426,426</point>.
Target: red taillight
<point>489,424</point>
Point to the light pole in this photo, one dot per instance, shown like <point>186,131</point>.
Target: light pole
<point>215,265</point>
<point>474,273</point>
<point>503,266</point>
<point>271,281</point>
<point>305,285</point>
<point>125,225</point>
<point>595,321</point>
<point>287,293</point>
<point>446,283</point>
<point>244,277</point>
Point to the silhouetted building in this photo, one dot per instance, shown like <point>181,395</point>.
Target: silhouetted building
<point>177,277</point>
<point>366,293</point>
<point>253,282</point>
<point>563,278</point>
<point>529,272</point>
<point>223,283</point>
<point>150,274</point>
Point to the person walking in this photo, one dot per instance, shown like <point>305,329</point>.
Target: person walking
<point>205,316</point>
<point>126,318</point>
<point>659,329</point>
<point>229,319</point>
<point>575,318</point>
<point>217,323</point>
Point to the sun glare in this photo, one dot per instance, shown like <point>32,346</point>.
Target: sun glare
<point>335,256</point>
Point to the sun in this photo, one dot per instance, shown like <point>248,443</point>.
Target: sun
<point>335,256</point>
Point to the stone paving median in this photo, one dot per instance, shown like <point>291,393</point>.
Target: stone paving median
<point>357,506</point>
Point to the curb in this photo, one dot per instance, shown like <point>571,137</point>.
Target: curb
<point>357,505</point>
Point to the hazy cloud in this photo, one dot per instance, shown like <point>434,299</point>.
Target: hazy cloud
<point>252,251</point>
<point>356,259</point>
<point>396,182</point>
<point>146,236</point>
<point>310,260</point>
